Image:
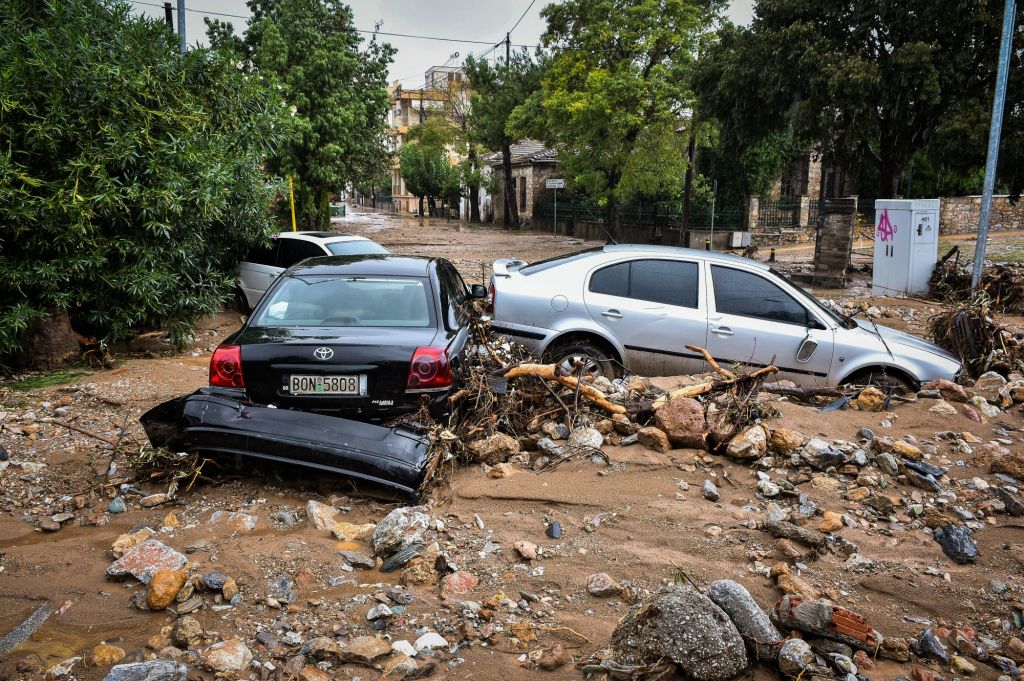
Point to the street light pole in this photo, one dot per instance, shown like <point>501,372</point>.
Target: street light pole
<point>994,133</point>
<point>182,42</point>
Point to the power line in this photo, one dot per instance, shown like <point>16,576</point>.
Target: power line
<point>523,15</point>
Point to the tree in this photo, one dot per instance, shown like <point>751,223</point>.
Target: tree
<point>131,177</point>
<point>426,167</point>
<point>616,91</point>
<point>871,82</point>
<point>496,92</point>
<point>312,49</point>
<point>455,111</point>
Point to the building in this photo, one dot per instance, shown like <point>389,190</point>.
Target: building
<point>443,87</point>
<point>532,164</point>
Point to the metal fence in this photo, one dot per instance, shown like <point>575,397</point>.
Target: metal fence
<point>664,215</point>
<point>783,211</point>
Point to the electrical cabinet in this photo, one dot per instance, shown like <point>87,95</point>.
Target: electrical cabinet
<point>906,246</point>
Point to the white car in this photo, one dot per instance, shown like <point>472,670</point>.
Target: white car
<point>262,266</point>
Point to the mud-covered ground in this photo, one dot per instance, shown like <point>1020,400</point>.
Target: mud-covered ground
<point>652,524</point>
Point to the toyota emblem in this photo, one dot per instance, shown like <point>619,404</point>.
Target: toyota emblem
<point>323,353</point>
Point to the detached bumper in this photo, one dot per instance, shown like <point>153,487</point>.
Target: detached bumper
<point>204,421</point>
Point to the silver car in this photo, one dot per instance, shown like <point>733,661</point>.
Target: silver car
<point>638,307</point>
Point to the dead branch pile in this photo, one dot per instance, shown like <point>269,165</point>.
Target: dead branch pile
<point>981,343</point>
<point>1003,283</point>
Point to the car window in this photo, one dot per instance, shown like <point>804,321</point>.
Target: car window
<point>661,281</point>
<point>263,256</point>
<point>453,294</point>
<point>292,251</point>
<point>750,295</point>
<point>356,247</point>
<point>332,300</point>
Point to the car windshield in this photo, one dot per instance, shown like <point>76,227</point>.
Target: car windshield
<point>332,300</point>
<point>356,247</point>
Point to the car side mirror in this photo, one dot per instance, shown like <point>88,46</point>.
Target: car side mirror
<point>478,291</point>
<point>806,349</point>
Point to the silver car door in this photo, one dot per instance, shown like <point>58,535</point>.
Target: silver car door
<point>755,322</point>
<point>655,307</point>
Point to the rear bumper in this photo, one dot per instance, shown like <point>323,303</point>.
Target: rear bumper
<point>205,421</point>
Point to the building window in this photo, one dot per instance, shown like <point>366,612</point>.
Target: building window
<point>522,194</point>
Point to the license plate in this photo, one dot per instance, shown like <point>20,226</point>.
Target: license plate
<point>323,385</point>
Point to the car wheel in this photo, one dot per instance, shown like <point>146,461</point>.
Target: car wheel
<point>882,379</point>
<point>594,360</point>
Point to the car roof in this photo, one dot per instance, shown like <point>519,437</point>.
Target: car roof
<point>402,265</point>
<point>642,249</point>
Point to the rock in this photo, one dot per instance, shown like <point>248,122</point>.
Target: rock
<point>932,647</point>
<point>49,525</point>
<point>358,560</point>
<point>154,500</point>
<point>956,543</point>
<point>230,589</point>
<point>962,665</point>
<point>554,530</point>
<point>458,583</point>
<point>943,408</point>
<point>555,431</point>
<point>785,441</point>
<point>793,584</point>
<point>1014,649</point>
<point>654,438</point>
<point>164,587</point>
<point>682,419</point>
<point>554,657</point>
<point>117,505</point>
<point>1009,463</point>
<point>988,386</point>
<point>863,661</point>
<point>683,625</point>
<point>920,674</point>
<point>900,448</point>
<point>951,392</point>
<point>187,632</point>
<point>586,437</point>
<point>226,656</point>
<point>403,647</point>
<point>126,542</point>
<point>398,667</point>
<point>525,549</point>
<point>321,516</point>
<point>623,426</point>
<point>710,491</point>
<point>105,655</point>
<point>143,561</point>
<point>822,618</point>
<point>237,521</point>
<point>494,449</point>
<point>1014,504</point>
<point>831,522</point>
<point>61,670</point>
<point>752,443</point>
<point>897,649</point>
<point>429,641</point>
<point>311,673</point>
<point>870,399</point>
<point>751,621</point>
<point>795,655</point>
<point>501,470</point>
<point>402,557</point>
<point>602,585</point>
<point>151,670</point>
<point>343,531</point>
<point>986,409</point>
<point>400,528</point>
<point>768,489</point>
<point>888,463</point>
<point>319,648</point>
<point>214,580</point>
<point>379,611</point>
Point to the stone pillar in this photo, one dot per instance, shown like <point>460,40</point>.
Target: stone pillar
<point>805,211</point>
<point>834,243</point>
<point>753,213</point>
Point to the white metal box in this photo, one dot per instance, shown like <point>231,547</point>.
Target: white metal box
<point>906,246</point>
<point>740,240</point>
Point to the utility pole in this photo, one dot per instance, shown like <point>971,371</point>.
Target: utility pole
<point>994,133</point>
<point>182,43</point>
<point>691,151</point>
<point>508,49</point>
<point>169,15</point>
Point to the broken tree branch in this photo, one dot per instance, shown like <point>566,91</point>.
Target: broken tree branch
<point>713,386</point>
<point>711,361</point>
<point>549,372</point>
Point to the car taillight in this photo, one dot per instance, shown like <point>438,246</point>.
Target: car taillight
<point>429,369</point>
<point>490,303</point>
<point>226,367</point>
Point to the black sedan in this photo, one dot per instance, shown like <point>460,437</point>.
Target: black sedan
<point>336,345</point>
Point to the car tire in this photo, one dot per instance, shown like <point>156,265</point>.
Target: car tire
<point>882,379</point>
<point>597,361</point>
<point>239,302</point>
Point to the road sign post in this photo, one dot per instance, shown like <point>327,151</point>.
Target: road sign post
<point>555,183</point>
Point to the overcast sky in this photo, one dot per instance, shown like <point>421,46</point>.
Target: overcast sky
<point>481,20</point>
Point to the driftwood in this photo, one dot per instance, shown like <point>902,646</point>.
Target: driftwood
<point>711,361</point>
<point>801,393</point>
<point>549,372</point>
<point>713,386</point>
<point>784,530</point>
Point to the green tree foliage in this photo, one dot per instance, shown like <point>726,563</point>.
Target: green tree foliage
<point>496,93</point>
<point>426,167</point>
<point>616,91</point>
<point>131,176</point>
<point>871,82</point>
<point>339,91</point>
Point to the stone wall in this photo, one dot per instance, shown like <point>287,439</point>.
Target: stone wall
<point>534,175</point>
<point>835,242</point>
<point>961,214</point>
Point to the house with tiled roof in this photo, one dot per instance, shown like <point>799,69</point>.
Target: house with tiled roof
<point>532,164</point>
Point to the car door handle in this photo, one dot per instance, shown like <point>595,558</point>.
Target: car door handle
<point>613,313</point>
<point>723,331</point>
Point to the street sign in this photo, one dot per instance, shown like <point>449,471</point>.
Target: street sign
<point>555,183</point>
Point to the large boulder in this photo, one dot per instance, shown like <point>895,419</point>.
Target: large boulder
<point>684,626</point>
<point>495,449</point>
<point>400,528</point>
<point>752,443</point>
<point>682,419</point>
<point>785,441</point>
<point>988,386</point>
<point>950,391</point>
<point>143,561</point>
<point>751,621</point>
<point>152,670</point>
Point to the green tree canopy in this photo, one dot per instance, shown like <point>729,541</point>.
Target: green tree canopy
<point>617,90</point>
<point>131,177</point>
<point>339,93</point>
<point>870,82</point>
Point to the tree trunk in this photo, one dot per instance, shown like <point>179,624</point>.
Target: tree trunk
<point>687,186</point>
<point>421,207</point>
<point>373,198</point>
<point>614,221</point>
<point>890,178</point>
<point>474,190</point>
<point>511,207</point>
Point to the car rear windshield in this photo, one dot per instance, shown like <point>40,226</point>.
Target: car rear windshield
<point>356,247</point>
<point>335,300</point>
